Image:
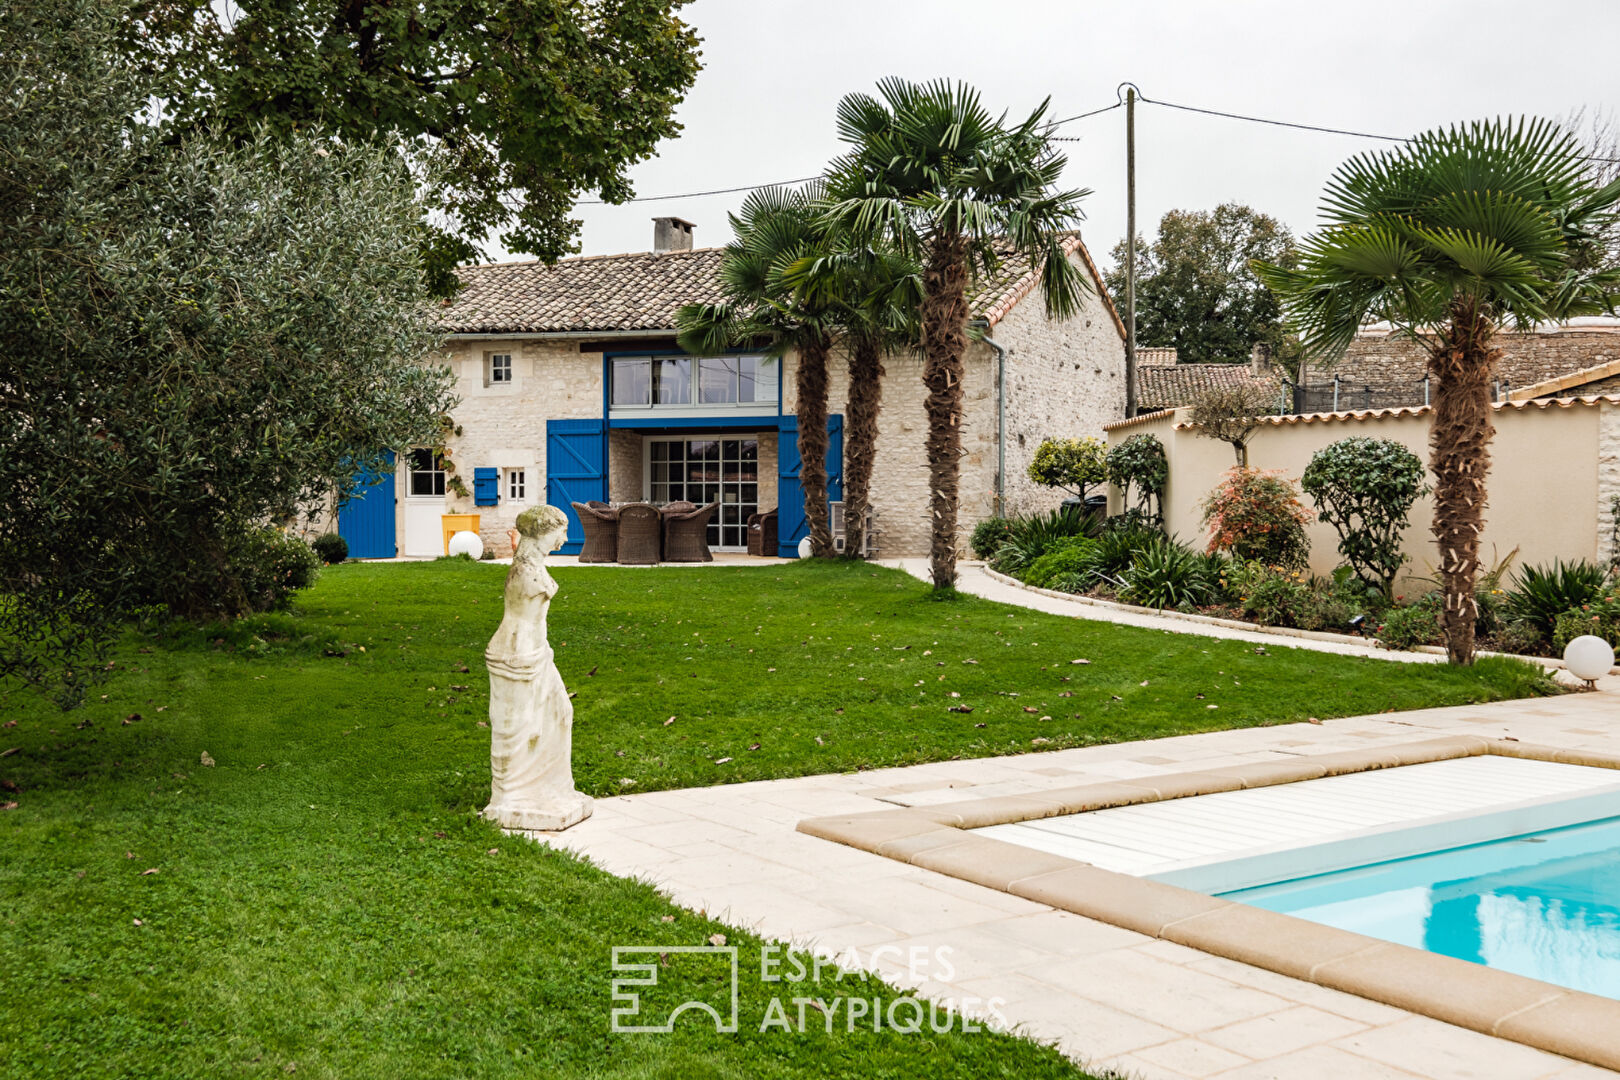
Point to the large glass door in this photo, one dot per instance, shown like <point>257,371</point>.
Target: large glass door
<point>703,471</point>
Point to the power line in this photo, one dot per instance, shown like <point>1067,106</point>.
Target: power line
<point>1273,123</point>
<point>697,194</point>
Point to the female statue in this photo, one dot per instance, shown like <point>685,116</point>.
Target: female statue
<point>531,719</point>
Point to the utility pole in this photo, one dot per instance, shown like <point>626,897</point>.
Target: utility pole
<point>1130,252</point>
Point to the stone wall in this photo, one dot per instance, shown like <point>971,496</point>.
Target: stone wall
<point>625,473</point>
<point>1376,357</point>
<point>504,426</point>
<point>1064,379</point>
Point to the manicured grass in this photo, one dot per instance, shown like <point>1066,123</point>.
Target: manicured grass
<point>326,898</point>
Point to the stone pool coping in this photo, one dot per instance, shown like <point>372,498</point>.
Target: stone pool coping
<point>1515,1007</point>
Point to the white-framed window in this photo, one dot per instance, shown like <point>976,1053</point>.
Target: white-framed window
<point>426,474</point>
<point>498,369</point>
<point>517,485</point>
<point>703,381</point>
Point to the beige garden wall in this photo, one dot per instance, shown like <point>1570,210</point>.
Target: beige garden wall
<point>1555,467</point>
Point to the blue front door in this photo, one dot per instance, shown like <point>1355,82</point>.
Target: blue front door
<point>576,471</point>
<point>791,524</point>
<point>366,521</point>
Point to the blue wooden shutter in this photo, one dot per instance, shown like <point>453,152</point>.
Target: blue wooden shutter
<point>576,470</point>
<point>486,487</point>
<point>791,523</point>
<point>366,520</point>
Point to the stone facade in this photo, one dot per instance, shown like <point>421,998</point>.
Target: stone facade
<point>1063,379</point>
<point>1545,353</point>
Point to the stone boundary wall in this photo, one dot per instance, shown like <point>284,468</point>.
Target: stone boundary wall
<point>1526,358</point>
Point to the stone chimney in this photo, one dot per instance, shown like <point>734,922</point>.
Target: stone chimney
<point>1260,359</point>
<point>671,234</point>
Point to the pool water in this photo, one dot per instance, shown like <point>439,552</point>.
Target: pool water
<point>1545,904</point>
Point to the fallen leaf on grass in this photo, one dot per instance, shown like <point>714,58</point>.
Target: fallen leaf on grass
<point>1039,740</point>
<point>1031,708</point>
<point>588,674</point>
<point>754,747</point>
<point>1066,693</point>
<point>493,851</point>
<point>208,762</point>
<point>8,806</point>
<point>442,836</point>
<point>458,689</point>
<point>979,724</point>
<point>666,918</point>
<point>668,722</point>
<point>137,922</point>
<point>8,753</point>
<point>1045,718</point>
<point>717,939</point>
<point>721,761</point>
<point>144,873</point>
<point>1079,661</point>
<point>625,781</point>
<point>961,708</point>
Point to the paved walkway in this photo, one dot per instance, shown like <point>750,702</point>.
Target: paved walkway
<point>1106,996</point>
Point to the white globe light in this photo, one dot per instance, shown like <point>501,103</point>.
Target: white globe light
<point>1588,657</point>
<point>467,543</point>
<point>804,548</point>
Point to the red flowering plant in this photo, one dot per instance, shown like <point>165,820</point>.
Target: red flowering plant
<point>1256,515</point>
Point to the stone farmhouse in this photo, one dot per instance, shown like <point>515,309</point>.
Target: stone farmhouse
<point>573,389</point>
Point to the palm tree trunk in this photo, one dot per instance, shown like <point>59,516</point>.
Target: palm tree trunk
<point>811,384</point>
<point>944,331</point>
<point>1461,362</point>
<point>860,437</point>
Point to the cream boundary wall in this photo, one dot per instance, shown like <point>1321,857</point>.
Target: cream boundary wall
<point>1554,467</point>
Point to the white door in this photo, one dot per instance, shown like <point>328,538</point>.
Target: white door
<point>424,504</point>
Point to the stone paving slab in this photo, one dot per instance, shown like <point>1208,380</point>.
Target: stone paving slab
<point>1106,996</point>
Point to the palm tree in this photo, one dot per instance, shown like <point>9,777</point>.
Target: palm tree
<point>935,176</point>
<point>775,228</point>
<point>1449,237</point>
<point>877,292</point>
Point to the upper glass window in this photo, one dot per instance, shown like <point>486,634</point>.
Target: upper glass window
<point>671,380</point>
<point>500,368</point>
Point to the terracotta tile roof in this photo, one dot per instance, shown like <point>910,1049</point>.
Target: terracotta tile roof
<point>1422,410</point>
<point>1156,354</point>
<point>642,291</point>
<point>1165,386</point>
<point>1142,418</point>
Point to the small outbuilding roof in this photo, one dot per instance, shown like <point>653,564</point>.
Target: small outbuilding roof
<point>1170,385</point>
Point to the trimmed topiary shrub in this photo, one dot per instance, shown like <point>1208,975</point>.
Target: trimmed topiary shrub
<point>1365,488</point>
<point>1139,465</point>
<point>272,565</point>
<point>331,548</point>
<point>1071,558</point>
<point>1074,465</point>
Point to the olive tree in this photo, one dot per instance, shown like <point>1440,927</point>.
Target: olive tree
<point>199,339</point>
<point>1365,489</point>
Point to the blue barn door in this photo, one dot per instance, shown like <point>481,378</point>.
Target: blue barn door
<point>366,521</point>
<point>791,524</point>
<point>576,471</point>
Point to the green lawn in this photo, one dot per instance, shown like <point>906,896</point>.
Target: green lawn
<point>326,898</point>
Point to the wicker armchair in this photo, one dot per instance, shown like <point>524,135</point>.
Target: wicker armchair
<point>639,529</point>
<point>601,524</point>
<point>762,534</point>
<point>686,533</point>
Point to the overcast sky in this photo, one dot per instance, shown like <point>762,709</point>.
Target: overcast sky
<point>773,71</point>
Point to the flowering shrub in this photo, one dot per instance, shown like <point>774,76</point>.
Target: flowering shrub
<point>1256,515</point>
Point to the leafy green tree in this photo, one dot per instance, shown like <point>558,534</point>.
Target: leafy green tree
<point>1196,290</point>
<point>775,229</point>
<point>1139,464</point>
<point>1365,489</point>
<point>1071,464</point>
<point>198,339</point>
<point>1232,414</point>
<point>514,106</point>
<point>934,175</point>
<point>1448,237</point>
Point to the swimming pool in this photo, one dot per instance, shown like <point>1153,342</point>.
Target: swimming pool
<point>1546,905</point>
